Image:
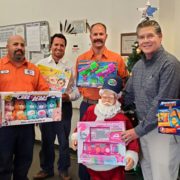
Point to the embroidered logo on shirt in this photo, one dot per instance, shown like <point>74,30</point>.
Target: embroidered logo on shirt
<point>29,72</point>
<point>4,71</point>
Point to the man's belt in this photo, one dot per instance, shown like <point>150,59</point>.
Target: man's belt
<point>90,101</point>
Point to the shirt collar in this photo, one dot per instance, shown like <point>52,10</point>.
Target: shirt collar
<point>104,53</point>
<point>7,60</point>
<point>51,60</point>
<point>155,55</point>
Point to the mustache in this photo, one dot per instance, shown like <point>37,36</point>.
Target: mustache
<point>19,50</point>
<point>98,40</point>
<point>107,103</point>
<point>18,56</point>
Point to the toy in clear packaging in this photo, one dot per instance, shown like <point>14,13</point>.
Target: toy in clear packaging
<point>169,116</point>
<point>31,107</point>
<point>92,73</point>
<point>101,143</point>
<point>51,105</point>
<point>9,107</point>
<point>88,69</point>
<point>106,70</point>
<point>41,109</point>
<point>19,108</point>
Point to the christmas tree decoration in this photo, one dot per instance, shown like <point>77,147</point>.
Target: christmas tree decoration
<point>148,10</point>
<point>134,56</point>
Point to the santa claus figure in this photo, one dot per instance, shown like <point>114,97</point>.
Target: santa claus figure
<point>109,109</point>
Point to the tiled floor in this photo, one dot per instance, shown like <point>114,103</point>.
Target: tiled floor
<point>73,169</point>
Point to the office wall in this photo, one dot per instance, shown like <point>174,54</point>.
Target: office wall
<point>169,14</point>
<point>177,27</point>
<point>119,15</point>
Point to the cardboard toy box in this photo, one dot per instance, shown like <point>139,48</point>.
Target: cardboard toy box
<point>92,73</point>
<point>57,79</point>
<point>19,108</point>
<point>100,143</point>
<point>169,116</point>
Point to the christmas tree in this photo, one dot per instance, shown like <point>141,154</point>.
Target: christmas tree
<point>134,56</point>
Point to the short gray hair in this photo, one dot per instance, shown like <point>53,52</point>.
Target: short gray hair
<point>149,23</point>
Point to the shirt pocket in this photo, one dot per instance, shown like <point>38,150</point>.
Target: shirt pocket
<point>151,85</point>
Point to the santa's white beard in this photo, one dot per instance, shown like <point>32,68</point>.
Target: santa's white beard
<point>106,111</point>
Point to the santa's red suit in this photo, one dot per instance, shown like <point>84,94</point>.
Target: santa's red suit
<point>116,173</point>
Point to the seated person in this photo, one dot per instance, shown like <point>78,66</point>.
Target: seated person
<point>109,109</point>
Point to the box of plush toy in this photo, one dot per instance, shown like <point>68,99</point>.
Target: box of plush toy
<point>19,108</point>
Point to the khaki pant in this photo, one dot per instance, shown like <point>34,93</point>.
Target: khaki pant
<point>160,156</point>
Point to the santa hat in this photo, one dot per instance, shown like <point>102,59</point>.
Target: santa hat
<point>112,83</point>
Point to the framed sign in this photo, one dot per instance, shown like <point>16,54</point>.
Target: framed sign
<point>127,40</point>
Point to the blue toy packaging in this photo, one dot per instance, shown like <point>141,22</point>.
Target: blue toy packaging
<point>92,73</point>
<point>169,116</point>
<point>29,107</point>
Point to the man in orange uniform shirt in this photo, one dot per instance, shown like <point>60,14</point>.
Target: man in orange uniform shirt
<point>100,53</point>
<point>16,142</point>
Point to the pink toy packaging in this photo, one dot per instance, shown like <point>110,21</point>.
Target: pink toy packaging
<point>101,143</point>
<point>17,108</point>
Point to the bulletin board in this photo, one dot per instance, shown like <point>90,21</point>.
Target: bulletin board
<point>36,35</point>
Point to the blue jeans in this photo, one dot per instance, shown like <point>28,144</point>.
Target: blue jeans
<point>83,173</point>
<point>48,134</point>
<point>16,151</point>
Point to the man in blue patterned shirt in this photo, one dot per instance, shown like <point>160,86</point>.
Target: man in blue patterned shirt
<point>156,76</point>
